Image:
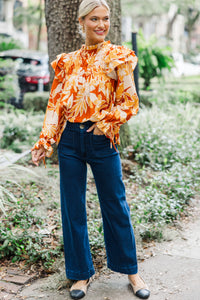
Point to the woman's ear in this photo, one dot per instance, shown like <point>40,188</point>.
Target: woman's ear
<point>80,21</point>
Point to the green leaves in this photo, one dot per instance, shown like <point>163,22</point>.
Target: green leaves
<point>152,59</point>
<point>9,43</point>
<point>11,134</point>
<point>20,237</point>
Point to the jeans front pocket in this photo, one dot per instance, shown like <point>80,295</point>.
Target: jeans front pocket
<point>101,146</point>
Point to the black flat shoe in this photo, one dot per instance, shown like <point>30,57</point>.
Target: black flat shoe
<point>79,289</point>
<point>141,292</point>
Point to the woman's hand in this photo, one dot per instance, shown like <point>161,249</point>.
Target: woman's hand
<point>37,155</point>
<point>96,130</point>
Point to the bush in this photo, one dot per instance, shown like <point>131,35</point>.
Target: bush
<point>7,43</point>
<point>18,243</point>
<point>160,136</point>
<point>11,134</point>
<point>162,197</point>
<point>9,88</point>
<point>19,129</point>
<point>36,101</point>
<point>152,59</point>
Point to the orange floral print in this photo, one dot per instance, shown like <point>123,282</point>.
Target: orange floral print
<point>95,83</point>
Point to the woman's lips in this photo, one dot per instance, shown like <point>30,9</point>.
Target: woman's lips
<point>100,32</point>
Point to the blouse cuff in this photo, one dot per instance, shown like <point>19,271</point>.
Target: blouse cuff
<point>111,131</point>
<point>43,143</point>
<point>103,126</point>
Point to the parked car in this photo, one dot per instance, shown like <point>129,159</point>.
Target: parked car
<point>32,69</point>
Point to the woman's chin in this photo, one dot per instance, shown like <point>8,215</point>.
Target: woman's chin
<point>99,39</point>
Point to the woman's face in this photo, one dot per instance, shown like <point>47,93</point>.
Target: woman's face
<point>96,25</point>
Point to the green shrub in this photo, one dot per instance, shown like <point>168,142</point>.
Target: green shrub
<point>11,134</point>
<point>26,246</point>
<point>19,129</point>
<point>9,88</point>
<point>23,234</point>
<point>7,43</point>
<point>152,59</point>
<point>161,137</point>
<point>36,101</point>
<point>162,197</point>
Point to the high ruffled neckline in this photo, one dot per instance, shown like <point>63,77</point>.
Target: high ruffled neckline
<point>96,46</point>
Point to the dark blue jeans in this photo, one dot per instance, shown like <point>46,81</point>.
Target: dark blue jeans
<point>76,149</point>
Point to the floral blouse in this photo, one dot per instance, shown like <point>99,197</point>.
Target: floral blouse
<point>95,83</point>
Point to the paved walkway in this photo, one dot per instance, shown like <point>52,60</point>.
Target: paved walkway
<point>9,158</point>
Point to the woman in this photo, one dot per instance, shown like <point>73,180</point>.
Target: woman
<point>92,94</point>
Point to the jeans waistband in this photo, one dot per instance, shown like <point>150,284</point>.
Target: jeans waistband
<point>79,126</point>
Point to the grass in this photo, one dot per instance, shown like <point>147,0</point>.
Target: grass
<point>187,83</point>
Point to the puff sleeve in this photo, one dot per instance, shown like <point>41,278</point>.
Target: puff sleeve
<point>54,117</point>
<point>120,66</point>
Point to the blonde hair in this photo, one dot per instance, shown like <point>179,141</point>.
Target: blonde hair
<point>87,6</point>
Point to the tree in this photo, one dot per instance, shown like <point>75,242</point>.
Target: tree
<point>63,32</point>
<point>147,8</point>
<point>192,17</point>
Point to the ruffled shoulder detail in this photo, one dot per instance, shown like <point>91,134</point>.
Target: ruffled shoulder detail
<point>58,66</point>
<point>63,65</point>
<point>118,55</point>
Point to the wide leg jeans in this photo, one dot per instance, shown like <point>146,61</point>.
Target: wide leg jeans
<point>76,149</point>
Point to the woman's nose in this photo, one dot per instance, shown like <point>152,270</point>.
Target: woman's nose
<point>101,24</point>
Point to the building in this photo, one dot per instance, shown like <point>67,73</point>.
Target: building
<point>27,34</point>
<point>6,22</point>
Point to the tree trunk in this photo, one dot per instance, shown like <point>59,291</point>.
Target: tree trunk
<point>64,36</point>
<point>115,20</point>
<point>172,15</point>
<point>192,18</point>
<point>62,27</point>
<point>40,25</point>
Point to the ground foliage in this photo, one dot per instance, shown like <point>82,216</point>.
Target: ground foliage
<point>161,180</point>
